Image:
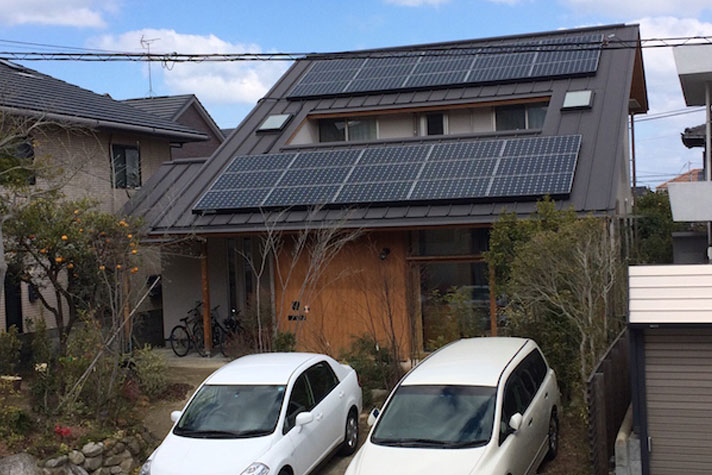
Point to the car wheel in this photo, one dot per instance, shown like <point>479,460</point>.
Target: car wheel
<point>350,443</point>
<point>285,471</point>
<point>553,437</point>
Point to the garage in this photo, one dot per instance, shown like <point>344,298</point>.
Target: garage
<point>670,320</point>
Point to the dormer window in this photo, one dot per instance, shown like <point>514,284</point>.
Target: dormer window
<point>521,116</point>
<point>347,130</point>
<point>435,124</point>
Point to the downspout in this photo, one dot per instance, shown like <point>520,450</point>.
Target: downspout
<point>708,162</point>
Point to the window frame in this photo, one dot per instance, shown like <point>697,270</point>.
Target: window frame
<point>116,171</point>
<point>347,126</point>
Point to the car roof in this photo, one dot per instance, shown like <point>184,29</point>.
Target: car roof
<point>472,361</point>
<point>262,368</point>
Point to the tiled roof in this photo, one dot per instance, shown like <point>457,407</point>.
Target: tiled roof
<point>167,107</point>
<point>696,174</point>
<point>26,90</point>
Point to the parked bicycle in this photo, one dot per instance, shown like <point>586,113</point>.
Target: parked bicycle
<point>223,330</point>
<point>189,334</point>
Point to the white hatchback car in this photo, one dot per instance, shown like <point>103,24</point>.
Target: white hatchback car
<point>271,413</point>
<point>477,406</point>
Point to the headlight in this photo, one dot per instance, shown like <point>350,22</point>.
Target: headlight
<point>145,468</point>
<point>256,469</point>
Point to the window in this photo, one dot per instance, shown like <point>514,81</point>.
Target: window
<point>17,158</point>
<point>322,380</point>
<point>578,100</point>
<point>516,400</point>
<point>127,166</point>
<point>301,400</point>
<point>274,122</point>
<point>435,124</point>
<point>520,117</point>
<point>347,130</point>
<point>537,367</point>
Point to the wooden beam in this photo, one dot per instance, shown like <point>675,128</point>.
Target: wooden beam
<point>207,327</point>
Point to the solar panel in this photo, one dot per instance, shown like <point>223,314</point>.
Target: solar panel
<point>505,61</point>
<point>466,170</point>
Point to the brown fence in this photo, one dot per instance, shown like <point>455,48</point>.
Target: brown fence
<point>608,401</point>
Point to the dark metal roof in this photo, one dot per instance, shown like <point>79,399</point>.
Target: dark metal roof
<point>167,107</point>
<point>24,90</point>
<point>601,181</point>
<point>694,136</point>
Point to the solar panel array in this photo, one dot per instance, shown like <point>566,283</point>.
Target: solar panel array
<point>550,57</point>
<point>467,170</point>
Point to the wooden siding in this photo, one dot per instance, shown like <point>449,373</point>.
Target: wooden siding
<point>678,377</point>
<point>358,293</point>
<point>670,294</point>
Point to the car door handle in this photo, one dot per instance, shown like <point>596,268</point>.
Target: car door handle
<point>546,395</point>
<point>530,421</point>
<point>319,416</point>
<point>341,394</point>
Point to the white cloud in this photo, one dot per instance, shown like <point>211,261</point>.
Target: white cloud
<point>630,8</point>
<point>77,13</point>
<point>417,3</point>
<point>236,82</point>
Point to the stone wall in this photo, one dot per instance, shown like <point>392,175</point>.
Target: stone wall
<point>119,455</point>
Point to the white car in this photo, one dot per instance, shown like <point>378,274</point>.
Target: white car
<point>271,413</point>
<point>477,406</point>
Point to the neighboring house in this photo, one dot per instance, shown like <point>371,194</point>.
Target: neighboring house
<point>106,149</point>
<point>419,148</point>
<point>696,174</point>
<point>186,110</point>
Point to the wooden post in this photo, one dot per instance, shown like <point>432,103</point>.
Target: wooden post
<point>207,327</point>
<point>493,303</point>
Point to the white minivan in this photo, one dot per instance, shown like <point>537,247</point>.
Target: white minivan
<point>477,406</point>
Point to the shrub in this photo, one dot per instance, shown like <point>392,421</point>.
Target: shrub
<point>374,365</point>
<point>284,342</point>
<point>150,369</point>
<point>9,351</point>
<point>14,422</point>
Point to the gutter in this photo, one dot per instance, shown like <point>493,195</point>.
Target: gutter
<point>98,123</point>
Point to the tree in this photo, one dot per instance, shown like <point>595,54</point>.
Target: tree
<point>562,279</point>
<point>653,229</point>
<point>80,255</point>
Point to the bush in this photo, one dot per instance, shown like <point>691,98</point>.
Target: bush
<point>14,422</point>
<point>284,342</point>
<point>9,351</point>
<point>374,365</point>
<point>150,370</point>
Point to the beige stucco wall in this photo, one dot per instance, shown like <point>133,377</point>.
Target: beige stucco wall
<point>82,163</point>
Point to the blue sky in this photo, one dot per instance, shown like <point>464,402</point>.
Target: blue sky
<point>230,90</point>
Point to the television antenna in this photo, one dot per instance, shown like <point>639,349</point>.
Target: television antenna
<point>146,44</point>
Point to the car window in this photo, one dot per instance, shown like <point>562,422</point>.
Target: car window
<point>537,367</point>
<point>301,400</point>
<point>322,380</point>
<point>516,400</point>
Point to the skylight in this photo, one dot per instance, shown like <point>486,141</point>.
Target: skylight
<point>274,122</point>
<point>578,100</point>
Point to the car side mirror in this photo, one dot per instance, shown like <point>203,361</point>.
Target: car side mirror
<point>303,418</point>
<point>515,422</point>
<point>373,416</point>
<point>175,415</point>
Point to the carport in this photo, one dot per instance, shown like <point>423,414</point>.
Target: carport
<point>670,323</point>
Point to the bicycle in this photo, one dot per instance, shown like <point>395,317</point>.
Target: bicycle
<point>188,334</point>
<point>223,330</point>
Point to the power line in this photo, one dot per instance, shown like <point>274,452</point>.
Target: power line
<point>455,50</point>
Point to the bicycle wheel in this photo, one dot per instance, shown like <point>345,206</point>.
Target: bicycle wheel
<point>198,340</point>
<point>218,340</point>
<point>180,341</point>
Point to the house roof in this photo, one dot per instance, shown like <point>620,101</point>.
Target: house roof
<point>600,178</point>
<point>694,136</point>
<point>696,174</point>
<point>24,90</point>
<point>172,107</point>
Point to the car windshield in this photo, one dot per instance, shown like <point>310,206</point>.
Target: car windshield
<point>437,416</point>
<point>231,411</point>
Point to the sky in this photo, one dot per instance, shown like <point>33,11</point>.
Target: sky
<point>230,90</point>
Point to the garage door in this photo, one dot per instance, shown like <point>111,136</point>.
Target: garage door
<point>678,380</point>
